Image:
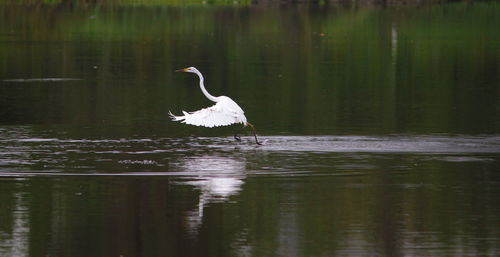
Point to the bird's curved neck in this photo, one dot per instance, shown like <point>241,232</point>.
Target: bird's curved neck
<point>205,92</point>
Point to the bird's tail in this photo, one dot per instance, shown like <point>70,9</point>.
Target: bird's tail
<point>175,118</point>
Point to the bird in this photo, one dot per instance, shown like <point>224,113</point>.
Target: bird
<point>225,111</point>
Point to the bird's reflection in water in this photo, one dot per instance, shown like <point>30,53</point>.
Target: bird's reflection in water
<point>216,177</point>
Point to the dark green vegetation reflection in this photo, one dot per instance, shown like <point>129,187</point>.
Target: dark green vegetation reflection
<point>293,70</point>
<point>381,130</point>
<point>246,205</point>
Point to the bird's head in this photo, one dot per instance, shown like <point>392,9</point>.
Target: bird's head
<point>189,69</point>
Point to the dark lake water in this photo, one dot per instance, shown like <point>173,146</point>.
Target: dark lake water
<point>381,131</point>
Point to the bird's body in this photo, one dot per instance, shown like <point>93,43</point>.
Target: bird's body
<point>225,111</point>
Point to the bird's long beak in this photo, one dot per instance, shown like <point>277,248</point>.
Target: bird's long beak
<point>182,70</point>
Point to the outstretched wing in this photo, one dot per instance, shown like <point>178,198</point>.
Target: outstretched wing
<point>222,113</point>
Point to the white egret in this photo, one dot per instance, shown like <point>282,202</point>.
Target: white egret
<point>225,111</point>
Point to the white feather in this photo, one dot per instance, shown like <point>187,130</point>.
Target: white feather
<point>225,112</point>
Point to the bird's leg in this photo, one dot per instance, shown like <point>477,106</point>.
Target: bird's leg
<point>254,133</point>
<point>236,136</point>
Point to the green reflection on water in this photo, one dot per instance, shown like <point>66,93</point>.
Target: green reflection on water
<point>433,208</point>
<point>294,70</point>
<point>317,70</point>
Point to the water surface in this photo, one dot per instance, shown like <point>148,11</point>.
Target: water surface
<point>380,128</point>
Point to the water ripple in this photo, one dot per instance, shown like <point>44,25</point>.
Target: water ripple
<point>290,155</point>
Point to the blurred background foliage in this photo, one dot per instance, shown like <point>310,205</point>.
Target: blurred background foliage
<point>314,69</point>
<point>299,70</point>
